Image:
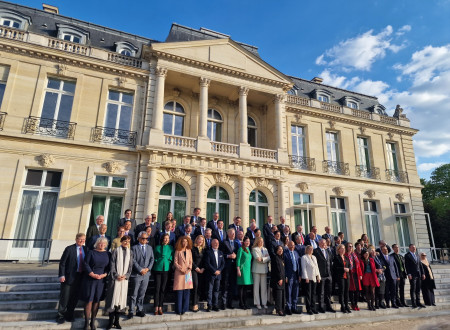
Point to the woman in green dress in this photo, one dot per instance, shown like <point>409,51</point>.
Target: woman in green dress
<point>161,268</point>
<point>244,270</point>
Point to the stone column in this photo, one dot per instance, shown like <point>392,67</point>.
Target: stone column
<point>203,122</point>
<point>200,202</point>
<point>243,202</point>
<point>159,98</point>
<point>279,104</point>
<point>151,191</point>
<point>282,204</point>
<point>243,92</point>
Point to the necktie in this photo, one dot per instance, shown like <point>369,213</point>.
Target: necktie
<point>278,242</point>
<point>143,250</point>
<point>80,260</point>
<point>221,235</point>
<point>203,231</point>
<point>324,253</point>
<point>294,264</point>
<point>232,245</point>
<point>208,241</point>
<point>414,255</point>
<point>386,257</point>
<point>301,238</point>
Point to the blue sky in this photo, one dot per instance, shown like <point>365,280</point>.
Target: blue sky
<point>396,50</point>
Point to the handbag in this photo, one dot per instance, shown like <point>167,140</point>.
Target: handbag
<point>188,279</point>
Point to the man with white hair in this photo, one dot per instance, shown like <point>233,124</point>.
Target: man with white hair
<point>93,230</point>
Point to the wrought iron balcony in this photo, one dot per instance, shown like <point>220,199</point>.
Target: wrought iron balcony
<point>368,172</point>
<point>335,167</point>
<point>397,176</point>
<point>50,127</point>
<point>303,163</point>
<point>2,119</point>
<point>114,136</point>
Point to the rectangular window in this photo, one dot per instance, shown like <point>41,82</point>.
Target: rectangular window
<point>338,215</point>
<point>403,232</point>
<point>371,218</point>
<point>4,72</point>
<point>302,216</point>
<point>363,152</point>
<point>110,207</point>
<point>58,100</point>
<point>332,146</point>
<point>392,156</point>
<point>119,110</point>
<point>298,141</point>
<point>399,208</point>
<point>109,181</point>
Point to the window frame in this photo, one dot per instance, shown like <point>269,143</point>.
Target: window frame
<point>330,144</point>
<point>339,211</point>
<point>298,136</point>
<point>214,122</point>
<point>364,151</point>
<point>174,113</point>
<point>120,103</point>
<point>13,16</point>
<point>323,98</point>
<point>369,215</point>
<point>257,204</point>
<point>253,128</point>
<point>392,156</point>
<point>60,91</point>
<point>110,180</point>
<point>172,198</point>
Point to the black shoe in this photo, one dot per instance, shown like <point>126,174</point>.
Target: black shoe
<point>92,324</point>
<point>405,304</point>
<point>330,309</point>
<point>140,313</point>
<point>111,321</point>
<point>223,307</point>
<point>70,318</point>
<point>130,316</point>
<point>315,312</point>
<point>215,309</point>
<point>296,311</point>
<point>321,310</point>
<point>208,310</point>
<point>382,305</point>
<point>60,320</point>
<point>421,306</point>
<point>287,311</point>
<point>230,306</point>
<point>348,310</point>
<point>310,312</point>
<point>343,310</point>
<point>433,304</point>
<point>280,313</point>
<point>394,305</point>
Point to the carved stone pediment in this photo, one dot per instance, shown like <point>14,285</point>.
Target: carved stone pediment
<point>112,167</point>
<point>176,173</point>
<point>221,177</point>
<point>261,182</point>
<point>46,160</point>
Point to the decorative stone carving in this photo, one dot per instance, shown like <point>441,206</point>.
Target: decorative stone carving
<point>400,196</point>
<point>176,92</point>
<point>204,82</point>
<point>46,160</point>
<point>161,71</point>
<point>391,135</point>
<point>338,191</point>
<point>261,182</point>
<point>303,186</point>
<point>176,173</point>
<point>298,118</point>
<point>332,124</point>
<point>61,69</point>
<point>243,91</point>
<point>370,193</point>
<point>214,101</point>
<point>112,167</point>
<point>121,80</point>
<point>221,177</point>
<point>279,98</point>
<point>362,129</point>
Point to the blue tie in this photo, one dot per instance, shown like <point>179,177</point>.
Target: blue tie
<point>293,261</point>
<point>221,235</point>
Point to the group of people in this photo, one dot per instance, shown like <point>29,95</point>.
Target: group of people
<point>210,262</point>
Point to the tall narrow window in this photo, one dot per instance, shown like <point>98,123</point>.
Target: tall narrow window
<point>172,198</point>
<point>338,215</point>
<point>402,221</point>
<point>332,146</point>
<point>251,131</point>
<point>119,110</point>
<point>364,158</point>
<point>298,141</point>
<point>218,201</point>
<point>215,122</point>
<point>301,215</point>
<point>371,218</point>
<point>258,207</point>
<point>392,156</point>
<point>58,100</point>
<point>173,118</point>
<point>4,72</point>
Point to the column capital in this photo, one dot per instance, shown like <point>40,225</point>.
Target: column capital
<point>243,91</point>
<point>279,98</point>
<point>204,82</point>
<point>161,71</point>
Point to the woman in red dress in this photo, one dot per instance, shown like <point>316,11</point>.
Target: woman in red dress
<point>355,276</point>
<point>370,279</point>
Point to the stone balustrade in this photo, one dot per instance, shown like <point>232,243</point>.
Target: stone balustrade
<point>180,142</point>
<point>266,154</point>
<point>225,148</point>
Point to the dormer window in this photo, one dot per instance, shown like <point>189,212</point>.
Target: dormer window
<point>351,102</point>
<point>14,19</point>
<point>323,98</point>
<point>72,34</point>
<point>126,48</point>
<point>379,109</point>
<point>293,91</point>
<point>352,105</point>
<point>322,95</point>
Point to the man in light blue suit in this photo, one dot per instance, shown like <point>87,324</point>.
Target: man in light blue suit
<point>142,264</point>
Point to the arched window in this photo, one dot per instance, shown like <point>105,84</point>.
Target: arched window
<point>14,19</point>
<point>218,200</point>
<point>214,125</point>
<point>10,22</point>
<point>258,207</point>
<point>172,198</point>
<point>251,131</point>
<point>126,48</point>
<point>173,118</point>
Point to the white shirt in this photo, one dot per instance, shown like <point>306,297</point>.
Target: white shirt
<point>216,254</point>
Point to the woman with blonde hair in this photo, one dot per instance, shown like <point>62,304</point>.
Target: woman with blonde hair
<point>197,265</point>
<point>117,241</point>
<point>182,279</point>
<point>341,270</point>
<point>311,275</point>
<point>261,259</point>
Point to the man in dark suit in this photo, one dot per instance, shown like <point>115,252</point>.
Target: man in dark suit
<point>292,269</point>
<point>201,228</point>
<point>316,235</point>
<point>93,230</point>
<point>281,224</point>
<point>382,244</point>
<point>324,261</point>
<point>102,233</point>
<point>251,232</point>
<point>213,223</point>
<point>142,264</point>
<point>214,265</point>
<point>195,218</point>
<point>130,233</point>
<point>392,276</point>
<point>342,237</point>
<point>150,221</point>
<point>127,217</point>
<point>228,282</point>
<point>328,234</point>
<point>299,247</point>
<point>273,243</point>
<point>299,232</point>
<point>236,225</point>
<point>172,237</point>
<point>416,274</point>
<point>286,233</point>
<point>180,230</point>
<point>220,233</point>
<point>188,232</point>
<point>267,228</point>
<point>71,268</point>
<point>400,261</point>
<point>312,240</point>
<point>208,238</point>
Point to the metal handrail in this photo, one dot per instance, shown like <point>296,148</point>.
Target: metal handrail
<point>47,248</point>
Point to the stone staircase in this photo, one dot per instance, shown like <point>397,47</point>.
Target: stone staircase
<point>30,302</point>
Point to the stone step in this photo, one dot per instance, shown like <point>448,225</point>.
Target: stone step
<point>29,287</point>
<point>226,320</point>
<point>17,296</point>
<point>439,270</point>
<point>28,305</point>
<point>442,292</point>
<point>28,279</point>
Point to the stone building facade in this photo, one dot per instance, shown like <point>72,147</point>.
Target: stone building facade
<point>95,121</point>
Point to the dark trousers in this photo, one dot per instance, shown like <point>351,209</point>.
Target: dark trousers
<point>428,294</point>
<point>324,292</point>
<point>390,292</point>
<point>400,291</point>
<point>228,283</point>
<point>197,282</point>
<point>310,295</point>
<point>213,291</point>
<point>160,287</point>
<point>242,295</point>
<point>379,291</point>
<point>68,297</point>
<point>182,304</point>
<point>414,290</point>
<point>291,293</point>
<point>279,297</point>
<point>343,286</point>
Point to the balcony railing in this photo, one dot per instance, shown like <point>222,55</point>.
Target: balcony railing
<point>397,176</point>
<point>388,120</point>
<point>297,100</point>
<point>330,107</point>
<point>335,167</point>
<point>10,33</point>
<point>125,60</point>
<point>303,163</point>
<point>266,154</point>
<point>67,46</point>
<point>361,114</point>
<point>114,136</point>
<point>368,172</point>
<point>50,127</point>
<point>225,148</point>
<point>180,142</point>
<point>2,119</point>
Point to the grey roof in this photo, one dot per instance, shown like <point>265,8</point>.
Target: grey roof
<point>183,33</point>
<point>307,88</point>
<point>45,23</point>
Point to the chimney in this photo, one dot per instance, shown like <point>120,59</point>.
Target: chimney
<point>50,9</point>
<point>317,80</point>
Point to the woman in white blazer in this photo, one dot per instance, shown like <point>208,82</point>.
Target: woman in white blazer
<point>259,269</point>
<point>310,275</point>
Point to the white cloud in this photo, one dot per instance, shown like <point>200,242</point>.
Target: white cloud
<point>425,167</point>
<point>403,30</point>
<point>362,51</point>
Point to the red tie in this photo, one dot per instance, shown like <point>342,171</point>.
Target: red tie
<point>301,237</point>
<point>80,261</point>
